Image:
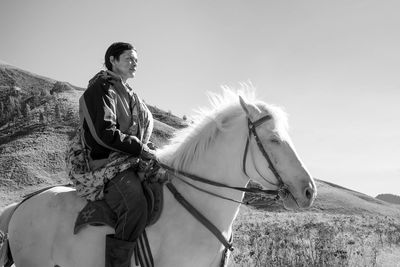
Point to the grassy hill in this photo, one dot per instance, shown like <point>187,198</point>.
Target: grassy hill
<point>390,198</point>
<point>343,228</point>
<point>335,199</point>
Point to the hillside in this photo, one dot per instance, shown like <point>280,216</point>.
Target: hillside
<point>11,75</point>
<point>390,198</point>
<point>335,199</point>
<point>32,147</point>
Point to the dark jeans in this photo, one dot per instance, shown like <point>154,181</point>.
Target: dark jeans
<point>124,194</point>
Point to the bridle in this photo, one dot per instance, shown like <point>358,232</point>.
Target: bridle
<point>280,193</point>
<point>252,131</point>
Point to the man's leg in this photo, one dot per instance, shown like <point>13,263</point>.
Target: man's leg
<point>124,194</point>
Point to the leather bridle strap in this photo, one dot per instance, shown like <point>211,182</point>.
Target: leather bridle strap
<point>192,210</point>
<point>252,131</point>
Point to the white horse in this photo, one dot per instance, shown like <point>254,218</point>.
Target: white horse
<point>40,230</point>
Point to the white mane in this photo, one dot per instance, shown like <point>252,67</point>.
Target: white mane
<point>190,142</point>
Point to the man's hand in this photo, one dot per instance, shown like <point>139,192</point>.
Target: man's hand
<point>151,146</point>
<point>147,153</point>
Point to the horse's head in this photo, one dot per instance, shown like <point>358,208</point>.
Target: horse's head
<point>213,148</point>
<point>271,159</point>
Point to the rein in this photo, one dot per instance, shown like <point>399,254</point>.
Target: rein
<point>280,193</point>
<point>193,177</point>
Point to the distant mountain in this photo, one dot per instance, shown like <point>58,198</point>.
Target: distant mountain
<point>389,198</point>
<point>32,147</point>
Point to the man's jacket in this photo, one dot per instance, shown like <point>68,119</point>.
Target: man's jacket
<point>114,119</point>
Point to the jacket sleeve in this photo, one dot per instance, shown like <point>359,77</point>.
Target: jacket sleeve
<point>99,110</point>
<point>148,124</point>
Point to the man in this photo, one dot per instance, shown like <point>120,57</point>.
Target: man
<point>116,127</point>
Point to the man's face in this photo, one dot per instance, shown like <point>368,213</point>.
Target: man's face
<point>125,66</point>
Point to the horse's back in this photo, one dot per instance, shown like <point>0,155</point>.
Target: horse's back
<point>41,231</point>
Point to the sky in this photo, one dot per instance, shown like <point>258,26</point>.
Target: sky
<point>332,65</point>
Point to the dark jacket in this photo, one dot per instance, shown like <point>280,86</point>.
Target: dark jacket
<point>114,118</point>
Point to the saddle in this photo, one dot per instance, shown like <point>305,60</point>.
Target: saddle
<point>98,213</point>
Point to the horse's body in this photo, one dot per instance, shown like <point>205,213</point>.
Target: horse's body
<point>48,220</point>
<point>41,229</point>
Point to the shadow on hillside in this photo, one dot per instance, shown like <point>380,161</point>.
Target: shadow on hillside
<point>21,132</point>
<point>40,128</point>
<point>68,128</point>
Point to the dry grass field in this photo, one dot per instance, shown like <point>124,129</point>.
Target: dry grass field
<point>315,239</point>
<point>343,228</point>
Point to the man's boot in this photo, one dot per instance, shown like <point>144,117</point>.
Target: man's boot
<point>118,252</point>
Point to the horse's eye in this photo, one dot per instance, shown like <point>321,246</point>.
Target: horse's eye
<point>275,141</point>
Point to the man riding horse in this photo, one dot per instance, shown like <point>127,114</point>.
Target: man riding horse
<point>113,138</point>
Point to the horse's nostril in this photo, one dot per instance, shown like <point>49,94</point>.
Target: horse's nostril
<point>309,193</point>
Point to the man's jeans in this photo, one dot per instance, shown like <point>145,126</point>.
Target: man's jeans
<point>124,195</point>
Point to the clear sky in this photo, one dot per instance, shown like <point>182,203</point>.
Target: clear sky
<point>333,65</point>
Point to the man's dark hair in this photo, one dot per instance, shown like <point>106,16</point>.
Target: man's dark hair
<point>115,50</point>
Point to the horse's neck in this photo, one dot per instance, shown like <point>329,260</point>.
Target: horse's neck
<point>221,163</point>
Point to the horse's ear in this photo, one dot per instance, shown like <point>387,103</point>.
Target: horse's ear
<point>250,109</point>
<point>244,105</point>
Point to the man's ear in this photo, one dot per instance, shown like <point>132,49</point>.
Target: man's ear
<point>112,60</point>
<point>251,110</point>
